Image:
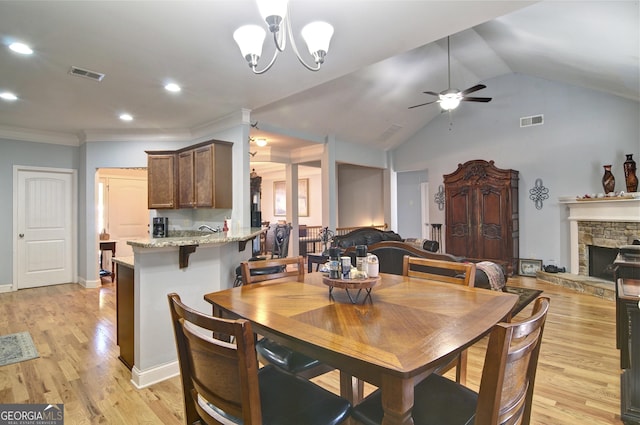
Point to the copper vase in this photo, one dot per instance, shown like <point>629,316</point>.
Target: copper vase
<point>630,177</point>
<point>608,181</point>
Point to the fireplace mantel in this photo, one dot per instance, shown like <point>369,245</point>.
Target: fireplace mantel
<point>605,209</point>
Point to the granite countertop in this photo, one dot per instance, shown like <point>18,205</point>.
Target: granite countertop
<point>178,238</point>
<point>123,261</point>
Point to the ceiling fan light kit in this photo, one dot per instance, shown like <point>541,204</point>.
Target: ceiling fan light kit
<point>450,98</point>
<point>277,16</point>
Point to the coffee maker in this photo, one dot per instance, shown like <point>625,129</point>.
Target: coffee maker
<point>160,227</point>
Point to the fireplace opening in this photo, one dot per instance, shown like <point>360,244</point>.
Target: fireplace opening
<point>601,262</point>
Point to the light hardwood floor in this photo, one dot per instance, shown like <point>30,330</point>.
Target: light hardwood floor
<point>74,331</point>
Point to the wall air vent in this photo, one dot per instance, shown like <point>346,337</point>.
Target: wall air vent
<point>532,120</point>
<point>92,75</point>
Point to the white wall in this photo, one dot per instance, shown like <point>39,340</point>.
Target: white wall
<point>314,195</point>
<point>582,131</point>
<point>360,196</point>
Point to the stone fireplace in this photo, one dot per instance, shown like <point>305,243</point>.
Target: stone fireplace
<point>598,242</point>
<point>606,223</point>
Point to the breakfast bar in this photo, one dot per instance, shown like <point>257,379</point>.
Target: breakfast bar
<point>190,263</point>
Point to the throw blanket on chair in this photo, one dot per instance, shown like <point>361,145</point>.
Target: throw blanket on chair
<point>494,274</point>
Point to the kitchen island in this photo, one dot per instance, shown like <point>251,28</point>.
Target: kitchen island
<point>189,263</point>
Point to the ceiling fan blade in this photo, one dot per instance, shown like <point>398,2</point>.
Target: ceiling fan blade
<point>476,99</point>
<point>432,93</point>
<point>422,104</point>
<point>474,88</point>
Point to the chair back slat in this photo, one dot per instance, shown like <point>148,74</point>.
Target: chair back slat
<point>508,376</point>
<point>443,271</point>
<point>224,374</point>
<point>291,268</point>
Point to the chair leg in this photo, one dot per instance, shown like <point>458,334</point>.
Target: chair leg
<point>237,282</point>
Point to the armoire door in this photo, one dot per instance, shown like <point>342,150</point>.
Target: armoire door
<point>491,226</point>
<point>459,222</point>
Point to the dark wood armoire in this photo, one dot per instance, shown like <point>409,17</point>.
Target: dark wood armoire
<point>481,203</point>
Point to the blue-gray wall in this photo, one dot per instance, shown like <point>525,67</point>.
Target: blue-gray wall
<point>31,154</point>
<point>582,131</point>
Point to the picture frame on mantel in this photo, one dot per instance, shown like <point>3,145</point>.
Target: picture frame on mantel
<point>529,267</point>
<point>280,198</point>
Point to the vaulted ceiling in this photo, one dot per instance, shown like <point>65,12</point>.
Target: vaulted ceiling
<point>383,55</point>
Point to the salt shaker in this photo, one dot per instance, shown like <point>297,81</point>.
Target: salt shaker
<point>334,263</point>
<point>361,258</point>
<point>373,266</point>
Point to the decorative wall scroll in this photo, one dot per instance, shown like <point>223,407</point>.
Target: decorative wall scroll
<point>438,198</point>
<point>538,193</point>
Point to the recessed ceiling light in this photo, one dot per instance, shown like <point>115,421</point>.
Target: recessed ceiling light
<point>172,87</point>
<point>21,48</point>
<point>8,96</point>
<point>126,117</point>
<point>261,142</point>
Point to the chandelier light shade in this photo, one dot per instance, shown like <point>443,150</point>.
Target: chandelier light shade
<point>276,15</point>
<point>273,10</point>
<point>317,35</point>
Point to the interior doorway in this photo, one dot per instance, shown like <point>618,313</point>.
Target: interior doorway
<point>44,217</point>
<point>122,209</point>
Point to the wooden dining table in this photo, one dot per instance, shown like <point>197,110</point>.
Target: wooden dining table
<point>393,339</point>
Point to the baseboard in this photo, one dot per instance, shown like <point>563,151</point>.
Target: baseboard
<point>6,288</point>
<point>141,379</point>
<point>89,284</point>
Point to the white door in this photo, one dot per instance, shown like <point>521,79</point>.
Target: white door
<point>424,199</point>
<point>43,220</point>
<point>127,212</point>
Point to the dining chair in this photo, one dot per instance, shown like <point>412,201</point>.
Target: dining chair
<point>222,384</point>
<point>443,271</point>
<point>291,268</point>
<point>506,386</point>
<point>449,272</point>
<point>280,249</point>
<point>269,351</point>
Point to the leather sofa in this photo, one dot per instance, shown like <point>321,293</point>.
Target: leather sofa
<point>364,236</point>
<point>391,253</point>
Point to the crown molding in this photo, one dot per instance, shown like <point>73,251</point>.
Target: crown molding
<point>167,135</point>
<point>39,136</point>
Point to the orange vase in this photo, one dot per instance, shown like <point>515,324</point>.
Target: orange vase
<point>608,181</point>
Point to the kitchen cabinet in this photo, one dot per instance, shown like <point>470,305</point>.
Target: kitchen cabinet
<point>125,311</point>
<point>202,176</point>
<point>161,176</point>
<point>481,203</point>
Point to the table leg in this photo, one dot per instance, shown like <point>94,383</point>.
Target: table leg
<point>351,388</point>
<point>397,401</point>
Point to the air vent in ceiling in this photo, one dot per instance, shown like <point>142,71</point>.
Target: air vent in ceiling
<point>532,120</point>
<point>393,129</point>
<point>92,75</point>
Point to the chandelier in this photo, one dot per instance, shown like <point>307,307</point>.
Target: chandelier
<point>276,14</point>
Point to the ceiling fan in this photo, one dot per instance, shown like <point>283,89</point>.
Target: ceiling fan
<point>450,98</point>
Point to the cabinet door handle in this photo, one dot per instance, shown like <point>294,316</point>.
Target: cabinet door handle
<point>21,235</point>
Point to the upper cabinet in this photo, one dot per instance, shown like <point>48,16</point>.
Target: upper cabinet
<point>203,177</point>
<point>161,176</point>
